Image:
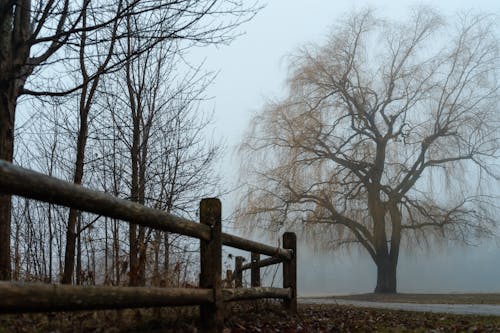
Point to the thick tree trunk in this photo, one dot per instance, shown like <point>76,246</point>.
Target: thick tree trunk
<point>15,31</point>
<point>8,99</point>
<point>386,276</point>
<point>387,259</point>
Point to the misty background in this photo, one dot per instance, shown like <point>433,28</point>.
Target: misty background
<point>253,69</point>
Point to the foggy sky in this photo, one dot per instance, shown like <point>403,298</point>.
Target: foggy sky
<point>253,69</point>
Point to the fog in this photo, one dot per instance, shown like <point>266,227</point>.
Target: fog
<point>253,69</point>
<point>436,270</point>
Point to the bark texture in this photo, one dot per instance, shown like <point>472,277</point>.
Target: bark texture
<point>7,109</point>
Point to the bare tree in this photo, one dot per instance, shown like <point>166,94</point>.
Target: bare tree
<point>388,133</point>
<point>98,63</point>
<point>160,126</point>
<point>43,146</point>
<point>35,35</point>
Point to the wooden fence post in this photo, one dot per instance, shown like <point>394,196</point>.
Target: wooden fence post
<point>255,270</point>
<point>290,271</point>
<point>238,272</point>
<point>211,315</point>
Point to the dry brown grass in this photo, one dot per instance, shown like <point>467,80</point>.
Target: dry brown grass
<point>471,298</point>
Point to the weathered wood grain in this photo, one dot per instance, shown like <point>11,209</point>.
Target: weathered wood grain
<point>251,246</point>
<point>211,314</point>
<point>18,297</point>
<point>263,263</point>
<point>240,294</point>
<point>238,271</point>
<point>255,270</point>
<point>290,271</point>
<point>29,184</point>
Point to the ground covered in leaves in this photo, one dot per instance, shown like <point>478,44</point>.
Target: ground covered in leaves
<point>335,318</point>
<point>251,317</point>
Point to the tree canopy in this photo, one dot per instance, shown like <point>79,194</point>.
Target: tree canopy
<point>388,132</point>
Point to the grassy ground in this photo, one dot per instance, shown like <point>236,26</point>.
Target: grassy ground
<point>481,298</point>
<point>251,317</point>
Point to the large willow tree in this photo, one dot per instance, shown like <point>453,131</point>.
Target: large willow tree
<point>388,133</point>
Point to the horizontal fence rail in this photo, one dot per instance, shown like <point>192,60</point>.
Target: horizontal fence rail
<point>262,263</point>
<point>34,185</point>
<point>248,245</point>
<point>210,296</point>
<point>37,297</point>
<point>241,294</point>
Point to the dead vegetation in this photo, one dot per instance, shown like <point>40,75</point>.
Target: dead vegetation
<point>263,317</point>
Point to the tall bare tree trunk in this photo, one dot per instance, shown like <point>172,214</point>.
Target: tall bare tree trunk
<point>87,95</point>
<point>166,260</point>
<point>8,98</point>
<point>51,238</point>
<point>71,235</point>
<point>17,255</point>
<point>79,252</point>
<point>133,238</point>
<point>116,253</point>
<point>143,246</point>
<point>15,31</point>
<point>107,280</point>
<point>134,156</point>
<point>156,256</point>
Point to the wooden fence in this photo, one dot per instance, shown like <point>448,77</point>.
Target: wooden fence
<point>210,296</point>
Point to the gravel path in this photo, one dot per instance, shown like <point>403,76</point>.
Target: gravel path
<point>475,309</point>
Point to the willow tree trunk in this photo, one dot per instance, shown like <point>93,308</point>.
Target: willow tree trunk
<point>386,275</point>
<point>387,258</point>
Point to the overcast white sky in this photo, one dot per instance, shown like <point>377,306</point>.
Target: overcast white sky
<point>253,68</point>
